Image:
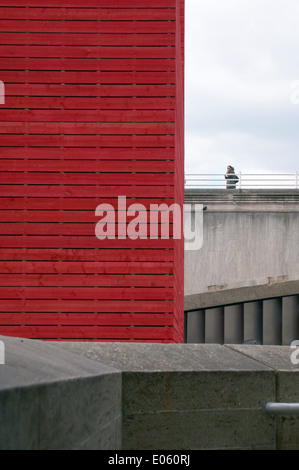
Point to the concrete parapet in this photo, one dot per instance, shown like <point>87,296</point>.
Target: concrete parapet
<point>245,200</point>
<point>53,399</point>
<point>189,396</point>
<point>170,396</point>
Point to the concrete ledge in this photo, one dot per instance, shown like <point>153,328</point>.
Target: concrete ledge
<point>145,396</point>
<point>189,396</point>
<point>245,200</point>
<point>242,294</point>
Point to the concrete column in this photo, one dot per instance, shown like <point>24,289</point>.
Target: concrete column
<point>196,326</point>
<point>214,328</point>
<point>233,324</point>
<point>290,319</point>
<point>253,321</point>
<point>272,321</point>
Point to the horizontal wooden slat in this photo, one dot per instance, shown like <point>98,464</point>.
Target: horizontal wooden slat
<point>89,52</point>
<point>101,27</point>
<point>88,64</point>
<point>78,306</point>
<point>13,241</point>
<point>89,166</point>
<point>154,293</point>
<point>87,153</point>
<point>86,267</point>
<point>92,128</point>
<point>88,141</point>
<point>33,102</point>
<point>153,319</point>
<point>83,14</point>
<point>85,178</point>
<point>80,229</point>
<point>78,280</point>
<point>90,91</point>
<point>64,256</point>
<point>39,217</point>
<point>87,39</point>
<point>103,332</point>
<point>88,116</point>
<point>90,3</point>
<point>81,77</point>
<point>10,190</point>
<point>9,206</point>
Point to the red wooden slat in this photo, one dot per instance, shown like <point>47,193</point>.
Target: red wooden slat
<point>124,103</point>
<point>85,178</point>
<point>97,91</point>
<point>87,153</point>
<point>121,293</point>
<point>88,141</point>
<point>54,216</point>
<point>46,228</point>
<point>81,77</point>
<point>9,206</point>
<point>102,332</point>
<point>86,267</point>
<point>90,3</point>
<point>82,318</point>
<point>145,64</point>
<point>79,306</point>
<point>73,256</point>
<point>9,190</point>
<point>89,52</point>
<point>77,280</point>
<point>91,116</point>
<point>93,128</point>
<point>89,166</point>
<point>74,241</point>
<point>100,27</point>
<point>87,39</point>
<point>103,14</point>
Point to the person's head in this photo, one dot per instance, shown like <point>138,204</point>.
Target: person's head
<point>230,168</point>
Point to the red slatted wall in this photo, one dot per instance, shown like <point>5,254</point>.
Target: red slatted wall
<point>93,110</point>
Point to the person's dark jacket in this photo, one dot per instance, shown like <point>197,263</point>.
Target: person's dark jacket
<point>232,180</point>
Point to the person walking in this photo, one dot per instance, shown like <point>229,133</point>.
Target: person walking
<point>231,178</point>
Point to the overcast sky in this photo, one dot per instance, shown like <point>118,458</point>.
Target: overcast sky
<point>242,60</point>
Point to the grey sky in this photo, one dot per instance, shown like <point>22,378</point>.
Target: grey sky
<point>242,59</point>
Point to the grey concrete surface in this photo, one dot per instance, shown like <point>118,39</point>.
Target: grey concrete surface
<point>250,238</point>
<point>287,387</point>
<point>239,295</point>
<point>189,396</point>
<point>138,396</point>
<point>53,399</point>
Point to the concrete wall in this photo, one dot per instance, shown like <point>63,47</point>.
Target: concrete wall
<point>52,399</point>
<point>250,238</point>
<point>145,396</point>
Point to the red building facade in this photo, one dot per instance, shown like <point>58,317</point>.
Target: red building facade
<point>94,110</point>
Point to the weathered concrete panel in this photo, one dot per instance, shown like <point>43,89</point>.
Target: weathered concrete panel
<point>53,399</point>
<point>145,396</point>
<point>189,396</point>
<point>250,238</point>
<point>287,388</point>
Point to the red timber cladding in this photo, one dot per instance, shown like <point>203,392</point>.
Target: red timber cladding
<point>93,110</point>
